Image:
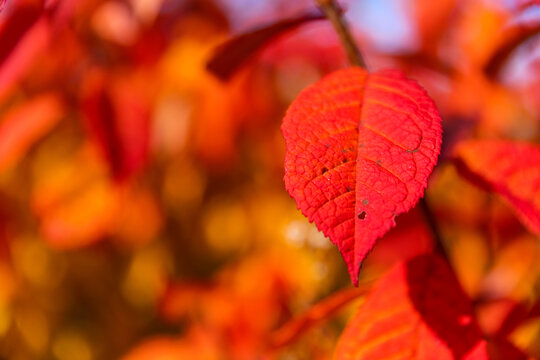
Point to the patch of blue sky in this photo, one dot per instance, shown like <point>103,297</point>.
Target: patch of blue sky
<point>386,24</point>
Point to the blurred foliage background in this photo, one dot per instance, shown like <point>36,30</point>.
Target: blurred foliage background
<point>142,209</point>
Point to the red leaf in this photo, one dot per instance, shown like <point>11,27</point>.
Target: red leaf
<point>23,36</point>
<point>417,311</point>
<point>501,349</point>
<point>230,56</point>
<point>360,149</point>
<point>511,169</point>
<point>16,26</point>
<point>517,316</point>
<point>118,119</point>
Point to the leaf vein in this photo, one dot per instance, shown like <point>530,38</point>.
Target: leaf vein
<point>383,167</point>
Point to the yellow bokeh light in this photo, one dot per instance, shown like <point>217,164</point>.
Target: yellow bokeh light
<point>34,328</point>
<point>70,345</point>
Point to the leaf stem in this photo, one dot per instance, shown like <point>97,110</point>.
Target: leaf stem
<point>439,247</point>
<point>328,307</point>
<point>333,12</point>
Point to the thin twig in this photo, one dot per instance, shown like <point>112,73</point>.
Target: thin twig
<point>333,12</point>
<point>439,247</point>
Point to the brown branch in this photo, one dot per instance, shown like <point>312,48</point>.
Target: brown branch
<point>513,38</point>
<point>333,12</point>
<point>439,247</point>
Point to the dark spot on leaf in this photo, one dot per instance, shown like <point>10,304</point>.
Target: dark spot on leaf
<point>324,170</point>
<point>412,151</point>
<point>365,202</point>
<point>362,215</point>
<point>345,160</point>
<point>348,188</point>
<point>327,145</point>
<point>352,149</point>
<point>379,162</point>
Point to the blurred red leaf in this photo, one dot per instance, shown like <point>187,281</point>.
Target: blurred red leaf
<point>118,118</point>
<point>16,26</point>
<point>418,310</point>
<point>230,56</point>
<point>23,35</point>
<point>360,149</point>
<point>498,319</point>
<point>411,237</point>
<point>525,4</point>
<point>500,349</point>
<point>517,314</point>
<point>510,169</point>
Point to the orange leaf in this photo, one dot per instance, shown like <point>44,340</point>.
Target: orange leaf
<point>360,148</point>
<point>432,19</point>
<point>196,344</point>
<point>417,311</point>
<point>323,310</point>
<point>510,169</point>
<point>76,205</point>
<point>26,124</point>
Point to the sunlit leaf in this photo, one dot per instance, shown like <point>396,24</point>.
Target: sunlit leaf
<point>360,149</point>
<point>510,169</point>
<point>417,310</point>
